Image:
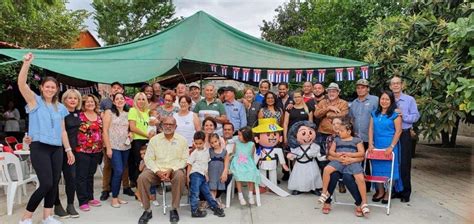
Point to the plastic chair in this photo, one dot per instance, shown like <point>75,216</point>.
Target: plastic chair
<point>11,141</point>
<point>12,186</point>
<point>231,192</point>
<point>19,146</point>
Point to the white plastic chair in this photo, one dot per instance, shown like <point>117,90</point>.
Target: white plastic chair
<point>12,186</point>
<point>231,191</point>
<point>164,185</point>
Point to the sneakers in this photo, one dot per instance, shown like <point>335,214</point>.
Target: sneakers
<point>51,220</point>
<point>85,208</point>
<point>26,221</point>
<point>242,201</point>
<point>129,192</point>
<point>59,211</point>
<point>198,214</point>
<point>104,195</point>
<point>94,203</point>
<point>219,212</point>
<point>155,203</point>
<point>251,200</point>
<point>72,211</point>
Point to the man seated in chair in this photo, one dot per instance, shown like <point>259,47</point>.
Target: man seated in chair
<point>165,159</point>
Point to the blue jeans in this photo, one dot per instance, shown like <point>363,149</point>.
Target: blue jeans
<point>119,161</point>
<point>350,183</point>
<point>198,184</point>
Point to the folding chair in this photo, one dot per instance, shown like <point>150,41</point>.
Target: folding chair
<point>375,155</point>
<point>164,185</point>
<point>11,141</point>
<point>387,181</point>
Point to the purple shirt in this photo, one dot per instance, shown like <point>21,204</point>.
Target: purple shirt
<point>407,106</point>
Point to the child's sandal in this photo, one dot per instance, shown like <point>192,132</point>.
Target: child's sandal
<point>365,209</point>
<point>358,212</point>
<point>323,198</point>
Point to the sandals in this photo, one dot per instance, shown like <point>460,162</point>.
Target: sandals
<point>323,197</point>
<point>326,209</point>
<point>358,212</point>
<point>365,209</point>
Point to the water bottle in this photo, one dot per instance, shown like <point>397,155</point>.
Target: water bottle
<point>25,145</point>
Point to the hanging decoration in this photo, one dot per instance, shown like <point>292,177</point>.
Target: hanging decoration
<point>350,74</point>
<point>214,68</point>
<point>286,76</point>
<point>245,74</point>
<point>364,72</point>
<point>299,73</point>
<point>271,75</point>
<point>223,70</point>
<point>339,76</point>
<point>256,75</point>
<point>309,75</point>
<point>321,74</point>
<point>236,72</point>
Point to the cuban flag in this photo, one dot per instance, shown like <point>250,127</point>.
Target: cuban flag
<point>339,74</point>
<point>350,73</point>
<point>236,72</point>
<point>321,75</point>
<point>364,72</point>
<point>285,76</point>
<point>256,75</point>
<point>223,70</point>
<point>299,74</point>
<point>245,74</point>
<point>271,75</point>
<point>309,75</point>
<point>278,75</point>
<point>214,67</point>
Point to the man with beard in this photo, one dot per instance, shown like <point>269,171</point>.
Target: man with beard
<point>284,101</point>
<point>319,94</point>
<point>408,111</point>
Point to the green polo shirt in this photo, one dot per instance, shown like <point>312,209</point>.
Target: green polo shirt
<point>213,106</point>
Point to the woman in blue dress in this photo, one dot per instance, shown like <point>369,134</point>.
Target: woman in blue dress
<point>384,132</point>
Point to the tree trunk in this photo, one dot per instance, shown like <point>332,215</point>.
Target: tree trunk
<point>445,139</point>
<point>454,133</point>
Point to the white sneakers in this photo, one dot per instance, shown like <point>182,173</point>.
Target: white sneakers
<point>26,221</point>
<point>51,220</point>
<point>155,203</point>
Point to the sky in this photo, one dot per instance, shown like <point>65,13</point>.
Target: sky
<point>244,15</point>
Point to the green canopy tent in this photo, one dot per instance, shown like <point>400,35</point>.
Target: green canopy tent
<point>190,46</point>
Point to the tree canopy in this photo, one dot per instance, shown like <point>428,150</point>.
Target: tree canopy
<point>124,21</point>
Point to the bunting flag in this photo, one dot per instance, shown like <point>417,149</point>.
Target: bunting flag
<point>309,75</point>
<point>364,72</point>
<point>236,72</point>
<point>223,70</point>
<point>214,67</point>
<point>37,77</point>
<point>350,73</point>
<point>285,76</point>
<point>271,75</point>
<point>321,75</point>
<point>299,73</point>
<point>277,76</point>
<point>245,74</point>
<point>339,74</point>
<point>60,87</point>
<point>256,75</point>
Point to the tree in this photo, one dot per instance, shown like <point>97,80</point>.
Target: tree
<point>124,21</point>
<point>36,24</point>
<point>416,47</point>
<point>40,24</point>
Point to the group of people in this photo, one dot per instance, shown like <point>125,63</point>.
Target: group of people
<point>185,139</point>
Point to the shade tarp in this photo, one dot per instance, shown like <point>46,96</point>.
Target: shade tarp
<point>199,39</point>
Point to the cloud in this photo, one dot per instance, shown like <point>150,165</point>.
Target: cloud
<point>244,15</point>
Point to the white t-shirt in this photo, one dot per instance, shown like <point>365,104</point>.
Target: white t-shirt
<point>199,160</point>
<point>185,126</point>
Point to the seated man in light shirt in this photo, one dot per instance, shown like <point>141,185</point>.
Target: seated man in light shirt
<point>165,160</point>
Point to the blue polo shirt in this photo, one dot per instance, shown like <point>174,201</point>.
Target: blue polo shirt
<point>45,122</point>
<point>360,113</point>
<point>236,114</point>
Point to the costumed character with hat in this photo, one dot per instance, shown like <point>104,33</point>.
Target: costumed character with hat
<point>268,135</point>
<point>305,175</point>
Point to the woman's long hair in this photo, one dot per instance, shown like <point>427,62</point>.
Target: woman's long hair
<point>114,108</point>
<point>55,99</point>
<point>305,107</point>
<point>393,104</point>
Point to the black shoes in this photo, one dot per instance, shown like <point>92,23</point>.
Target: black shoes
<point>174,217</point>
<point>146,216</point>
<point>316,192</point>
<point>405,200</point>
<point>129,192</point>
<point>286,176</point>
<point>295,192</point>
<point>72,211</point>
<point>59,211</point>
<point>375,199</point>
<point>384,201</point>
<point>104,195</point>
<point>219,212</point>
<point>196,214</point>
